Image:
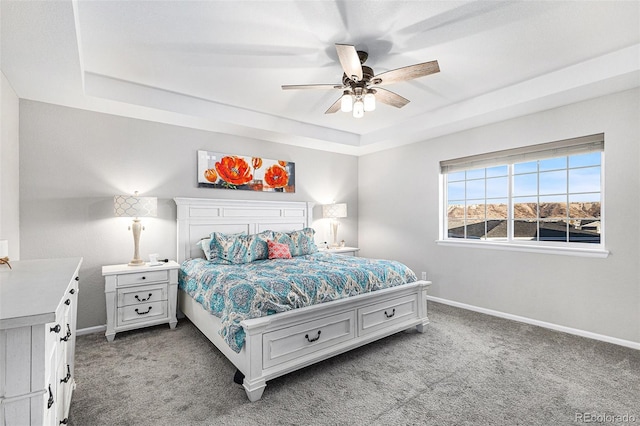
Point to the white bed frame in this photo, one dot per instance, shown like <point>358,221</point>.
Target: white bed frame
<point>279,344</point>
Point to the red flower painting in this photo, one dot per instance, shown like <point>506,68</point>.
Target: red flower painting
<point>234,170</point>
<point>245,173</point>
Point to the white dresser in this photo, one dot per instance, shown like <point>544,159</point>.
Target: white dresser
<point>38,308</point>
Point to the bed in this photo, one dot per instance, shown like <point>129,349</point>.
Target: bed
<point>285,341</point>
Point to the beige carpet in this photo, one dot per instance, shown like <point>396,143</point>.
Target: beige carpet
<point>467,369</point>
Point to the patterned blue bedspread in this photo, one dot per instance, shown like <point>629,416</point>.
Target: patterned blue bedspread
<point>265,287</point>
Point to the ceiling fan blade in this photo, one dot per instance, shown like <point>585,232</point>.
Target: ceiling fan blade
<point>390,98</point>
<point>349,60</point>
<point>335,107</point>
<point>406,73</point>
<point>311,86</point>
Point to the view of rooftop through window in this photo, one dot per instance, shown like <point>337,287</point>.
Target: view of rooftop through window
<point>554,199</point>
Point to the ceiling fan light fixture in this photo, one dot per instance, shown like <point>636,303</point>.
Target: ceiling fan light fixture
<point>346,102</point>
<point>360,84</point>
<point>369,102</point>
<point>358,109</point>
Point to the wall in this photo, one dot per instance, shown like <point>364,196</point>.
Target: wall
<point>72,163</point>
<point>9,175</point>
<point>399,207</point>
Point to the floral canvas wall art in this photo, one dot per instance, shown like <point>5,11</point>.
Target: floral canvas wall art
<point>216,170</point>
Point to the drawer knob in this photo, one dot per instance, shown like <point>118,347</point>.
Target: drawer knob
<point>67,302</point>
<point>314,338</point>
<point>391,314</point>
<point>66,338</point>
<point>143,300</point>
<point>77,278</point>
<point>67,377</point>
<point>143,313</point>
<point>55,329</point>
<point>72,291</point>
<point>144,278</point>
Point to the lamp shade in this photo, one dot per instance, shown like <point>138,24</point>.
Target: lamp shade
<point>334,210</point>
<point>134,206</point>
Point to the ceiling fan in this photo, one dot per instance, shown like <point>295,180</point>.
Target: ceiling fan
<point>361,87</point>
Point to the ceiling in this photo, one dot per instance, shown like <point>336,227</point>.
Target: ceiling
<point>219,65</point>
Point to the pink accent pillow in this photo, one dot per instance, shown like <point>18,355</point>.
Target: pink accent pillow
<point>278,250</point>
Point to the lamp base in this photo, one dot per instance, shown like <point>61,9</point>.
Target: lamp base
<point>136,228</point>
<point>334,233</point>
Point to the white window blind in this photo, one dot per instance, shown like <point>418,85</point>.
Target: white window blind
<point>574,146</point>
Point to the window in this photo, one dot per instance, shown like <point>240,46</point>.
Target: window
<point>542,195</point>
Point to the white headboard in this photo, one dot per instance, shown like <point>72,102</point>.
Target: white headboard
<point>199,217</point>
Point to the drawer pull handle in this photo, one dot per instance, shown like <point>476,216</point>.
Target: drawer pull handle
<point>72,291</point>
<point>64,421</point>
<point>143,313</point>
<point>391,314</point>
<point>67,377</point>
<point>143,300</point>
<point>67,302</point>
<point>312,339</point>
<point>55,329</point>
<point>50,401</point>
<point>66,338</point>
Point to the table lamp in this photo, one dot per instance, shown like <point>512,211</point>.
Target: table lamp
<point>334,212</point>
<point>135,207</point>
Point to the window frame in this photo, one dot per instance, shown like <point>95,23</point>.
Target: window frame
<point>564,148</point>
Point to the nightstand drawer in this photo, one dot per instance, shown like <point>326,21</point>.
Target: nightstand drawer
<point>374,317</point>
<point>143,312</point>
<point>143,277</point>
<point>142,294</point>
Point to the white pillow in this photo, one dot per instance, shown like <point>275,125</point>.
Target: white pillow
<point>205,245</point>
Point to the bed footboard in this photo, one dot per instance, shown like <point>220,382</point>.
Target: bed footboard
<point>279,344</point>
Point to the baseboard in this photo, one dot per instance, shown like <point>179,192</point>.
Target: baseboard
<point>556,327</point>
<point>91,330</point>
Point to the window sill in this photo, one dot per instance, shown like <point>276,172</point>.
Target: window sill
<point>566,251</point>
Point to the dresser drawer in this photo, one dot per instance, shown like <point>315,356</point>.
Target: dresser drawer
<point>380,315</point>
<point>293,342</point>
<point>58,333</point>
<point>143,277</point>
<point>142,312</point>
<point>142,294</point>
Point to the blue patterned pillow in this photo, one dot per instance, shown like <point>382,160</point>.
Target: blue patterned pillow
<point>300,242</point>
<point>238,248</point>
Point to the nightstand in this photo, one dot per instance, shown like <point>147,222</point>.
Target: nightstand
<point>140,296</point>
<point>341,250</point>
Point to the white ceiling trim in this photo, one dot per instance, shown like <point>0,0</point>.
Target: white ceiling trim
<point>616,71</point>
<point>610,73</point>
<point>106,87</point>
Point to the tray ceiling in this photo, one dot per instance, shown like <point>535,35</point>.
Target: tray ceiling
<point>219,65</point>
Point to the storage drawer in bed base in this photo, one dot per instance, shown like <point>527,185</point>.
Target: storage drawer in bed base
<point>300,340</point>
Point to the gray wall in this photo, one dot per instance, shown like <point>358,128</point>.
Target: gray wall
<point>398,194</point>
<point>9,182</point>
<point>72,163</point>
